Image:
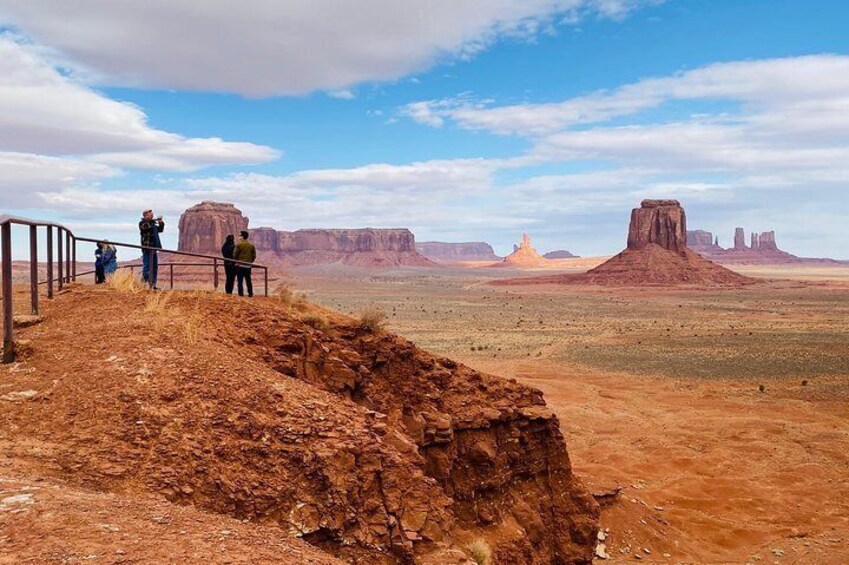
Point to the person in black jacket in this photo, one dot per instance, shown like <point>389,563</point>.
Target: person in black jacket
<point>149,229</point>
<point>229,267</point>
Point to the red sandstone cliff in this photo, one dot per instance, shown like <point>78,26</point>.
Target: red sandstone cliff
<point>456,252</point>
<point>524,256</point>
<point>203,228</point>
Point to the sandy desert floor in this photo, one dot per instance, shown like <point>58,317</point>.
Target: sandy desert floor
<point>658,393</point>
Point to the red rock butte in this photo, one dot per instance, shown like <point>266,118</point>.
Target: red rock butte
<point>204,226</point>
<point>656,254</point>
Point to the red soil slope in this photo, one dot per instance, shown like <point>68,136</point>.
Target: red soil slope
<point>355,441</point>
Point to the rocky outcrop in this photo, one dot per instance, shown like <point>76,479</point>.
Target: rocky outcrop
<point>357,442</point>
<point>702,241</point>
<point>763,249</point>
<point>456,252</point>
<point>204,226</point>
<point>657,254</point>
<point>739,239</point>
<point>524,256</point>
<point>659,222</point>
<point>366,247</point>
<point>560,254</point>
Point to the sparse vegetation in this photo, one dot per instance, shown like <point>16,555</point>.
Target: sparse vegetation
<point>157,303</point>
<point>285,294</point>
<point>373,320</point>
<point>123,280</point>
<point>317,321</point>
<point>479,552</point>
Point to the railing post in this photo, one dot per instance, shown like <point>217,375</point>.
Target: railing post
<point>265,273</point>
<point>172,276</point>
<point>8,312</point>
<point>60,260</point>
<point>215,273</point>
<point>67,256</point>
<point>33,268</point>
<point>49,262</point>
<point>74,259</point>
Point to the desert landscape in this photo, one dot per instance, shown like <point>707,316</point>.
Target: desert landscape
<point>514,282</point>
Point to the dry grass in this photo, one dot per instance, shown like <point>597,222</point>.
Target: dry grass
<point>373,320</point>
<point>317,321</point>
<point>123,280</point>
<point>479,552</point>
<point>157,303</point>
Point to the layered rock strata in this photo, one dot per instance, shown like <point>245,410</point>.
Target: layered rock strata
<point>456,252</point>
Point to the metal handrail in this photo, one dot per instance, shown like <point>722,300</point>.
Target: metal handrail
<point>67,266</point>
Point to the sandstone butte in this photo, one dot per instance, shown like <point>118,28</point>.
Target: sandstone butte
<point>560,254</point>
<point>656,254</point>
<point>456,252</point>
<point>352,440</point>
<point>762,249</point>
<point>524,256</point>
<point>204,226</point>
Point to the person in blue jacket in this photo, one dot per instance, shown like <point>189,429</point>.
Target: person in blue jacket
<point>110,259</point>
<point>99,275</point>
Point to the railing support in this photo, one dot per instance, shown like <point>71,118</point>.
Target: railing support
<point>49,262</point>
<point>60,260</point>
<point>33,268</point>
<point>8,312</point>
<point>67,256</point>
<point>265,276</point>
<point>215,273</point>
<point>74,259</point>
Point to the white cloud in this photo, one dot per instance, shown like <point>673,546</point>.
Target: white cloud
<point>265,47</point>
<point>43,111</point>
<point>342,94</point>
<point>800,84</point>
<point>24,175</point>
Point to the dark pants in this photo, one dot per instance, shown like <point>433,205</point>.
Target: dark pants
<point>243,274</point>
<point>150,267</point>
<point>99,275</point>
<point>230,277</point>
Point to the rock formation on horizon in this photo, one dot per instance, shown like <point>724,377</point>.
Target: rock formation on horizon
<point>204,226</point>
<point>762,249</point>
<point>656,254</point>
<point>659,222</point>
<point>560,254</point>
<point>456,252</point>
<point>524,256</point>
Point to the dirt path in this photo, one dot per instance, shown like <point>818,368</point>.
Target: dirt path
<point>712,472</point>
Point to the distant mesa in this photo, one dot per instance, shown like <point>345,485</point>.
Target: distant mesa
<point>204,226</point>
<point>762,249</point>
<point>560,254</point>
<point>442,252</point>
<point>524,256</point>
<point>656,254</point>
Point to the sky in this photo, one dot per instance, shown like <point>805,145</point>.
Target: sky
<point>463,120</point>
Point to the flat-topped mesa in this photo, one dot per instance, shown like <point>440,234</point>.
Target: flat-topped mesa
<point>661,222</point>
<point>766,241</point>
<point>204,226</point>
<point>366,247</point>
<point>455,252</point>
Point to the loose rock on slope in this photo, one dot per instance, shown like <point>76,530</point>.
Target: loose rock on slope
<point>359,443</point>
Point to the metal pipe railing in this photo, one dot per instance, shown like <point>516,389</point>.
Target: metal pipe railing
<point>66,267</point>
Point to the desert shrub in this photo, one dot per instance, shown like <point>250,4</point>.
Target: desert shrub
<point>157,303</point>
<point>191,327</point>
<point>123,280</point>
<point>479,552</point>
<point>373,320</point>
<point>317,321</point>
<point>285,294</point>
